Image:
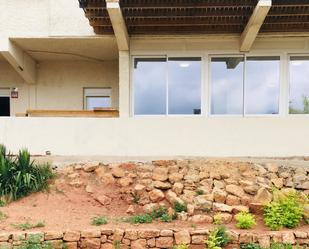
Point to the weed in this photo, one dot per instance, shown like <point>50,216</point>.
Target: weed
<point>218,238</point>
<point>199,192</point>
<point>194,226</point>
<point>250,246</point>
<point>34,242</point>
<point>166,218</point>
<point>159,212</point>
<point>182,246</point>
<point>140,219</point>
<point>180,207</point>
<point>28,225</point>
<point>245,220</point>
<point>99,220</point>
<point>116,244</point>
<point>135,198</point>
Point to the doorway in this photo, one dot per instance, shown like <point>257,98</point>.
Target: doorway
<point>5,109</point>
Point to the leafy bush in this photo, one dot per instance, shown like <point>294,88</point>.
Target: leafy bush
<point>140,219</point>
<point>285,212</point>
<point>180,207</point>
<point>245,220</point>
<point>99,220</point>
<point>218,238</point>
<point>20,176</point>
<point>158,212</point>
<point>250,246</point>
<point>182,246</point>
<point>34,242</point>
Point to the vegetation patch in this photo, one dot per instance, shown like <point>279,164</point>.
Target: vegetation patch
<point>19,176</point>
<point>245,220</point>
<point>28,225</point>
<point>218,238</point>
<point>99,221</point>
<point>180,207</point>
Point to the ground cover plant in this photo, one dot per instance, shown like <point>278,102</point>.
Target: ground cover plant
<point>19,176</point>
<point>245,220</point>
<point>99,220</point>
<point>28,225</point>
<point>286,210</point>
<point>34,242</point>
<point>218,238</point>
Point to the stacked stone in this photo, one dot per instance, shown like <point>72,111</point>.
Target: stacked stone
<point>147,238</point>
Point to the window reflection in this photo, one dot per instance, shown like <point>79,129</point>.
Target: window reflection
<point>184,85</point>
<point>299,85</point>
<point>227,85</point>
<point>262,85</point>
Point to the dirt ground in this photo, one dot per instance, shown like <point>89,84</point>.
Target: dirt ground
<point>65,207</point>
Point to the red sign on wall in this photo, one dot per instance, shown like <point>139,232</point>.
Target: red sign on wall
<point>14,94</point>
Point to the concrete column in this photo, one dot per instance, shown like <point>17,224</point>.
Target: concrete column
<point>124,83</point>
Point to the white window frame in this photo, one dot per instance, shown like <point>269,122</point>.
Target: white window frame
<point>96,92</point>
<point>245,55</point>
<point>167,56</point>
<point>289,55</point>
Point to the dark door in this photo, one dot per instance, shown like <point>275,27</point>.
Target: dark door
<point>4,106</point>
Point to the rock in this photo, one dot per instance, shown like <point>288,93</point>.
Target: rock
<point>90,168</point>
<point>4,237</point>
<point>219,195</point>
<point>278,182</point>
<point>117,172</point>
<point>118,234</point>
<point>93,243</point>
<point>139,189</point>
<point>106,178</point>
<point>306,211</point>
<point>232,200</point>
<point>245,238</point>
<point>251,189</point>
<point>52,235</point>
<point>190,209</point>
<point>200,203</point>
<point>264,241</point>
<point>263,196</point>
<point>299,178</point>
<point>201,218</point>
<point>226,218</point>
<point>103,199</point>
<point>160,174</point>
<point>178,188</point>
<point>107,246</point>
<point>76,183</point>
<point>89,189</point>
<point>192,177</point>
<point>182,237</point>
<point>125,181</point>
<point>156,195</point>
<point>237,209</point>
<point>256,208</point>
<point>131,234</point>
<point>175,177</point>
<point>288,238</point>
<point>73,175</point>
<point>70,245</point>
<point>304,186</point>
<point>71,236</point>
<point>203,175</point>
<point>130,210</point>
<point>219,207</point>
<point>162,185</point>
<point>198,239</point>
<point>166,233</point>
<point>273,168</point>
<point>149,207</point>
<point>91,233</point>
<point>148,233</point>
<point>172,197</point>
<point>219,184</point>
<point>300,234</point>
<point>139,244</point>
<point>183,216</point>
<point>235,190</point>
<point>164,242</point>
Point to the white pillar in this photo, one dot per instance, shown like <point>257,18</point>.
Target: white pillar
<point>124,83</point>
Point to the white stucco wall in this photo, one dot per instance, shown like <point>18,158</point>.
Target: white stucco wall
<point>60,84</point>
<point>190,136</point>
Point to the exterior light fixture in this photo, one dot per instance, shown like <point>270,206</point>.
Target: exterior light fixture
<point>83,3</point>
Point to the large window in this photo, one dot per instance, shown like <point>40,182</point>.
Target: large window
<point>95,98</point>
<point>245,86</point>
<point>165,86</point>
<point>299,85</point>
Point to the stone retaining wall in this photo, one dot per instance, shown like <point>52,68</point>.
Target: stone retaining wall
<point>147,238</point>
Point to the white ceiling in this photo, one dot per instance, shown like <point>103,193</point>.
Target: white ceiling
<point>44,49</point>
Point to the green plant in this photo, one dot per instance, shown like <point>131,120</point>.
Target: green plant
<point>28,225</point>
<point>2,203</point>
<point>281,246</point>
<point>140,219</point>
<point>135,198</point>
<point>218,219</point>
<point>250,246</point>
<point>285,212</point>
<point>3,216</point>
<point>159,212</point>
<point>166,218</point>
<point>199,192</point>
<point>182,246</point>
<point>116,244</point>
<point>245,220</point>
<point>218,238</point>
<point>34,242</point>
<point>99,220</point>
<point>20,176</point>
<point>180,207</point>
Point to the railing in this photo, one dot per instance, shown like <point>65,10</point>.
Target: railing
<point>97,113</point>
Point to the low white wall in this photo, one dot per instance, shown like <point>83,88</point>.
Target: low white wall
<point>154,136</point>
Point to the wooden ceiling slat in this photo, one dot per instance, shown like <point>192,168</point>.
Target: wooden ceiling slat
<point>198,16</point>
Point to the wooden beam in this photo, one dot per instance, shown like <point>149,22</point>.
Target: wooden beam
<point>119,25</point>
<point>254,25</point>
<point>23,63</point>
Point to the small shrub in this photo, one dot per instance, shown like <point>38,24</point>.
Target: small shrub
<point>34,242</point>
<point>218,219</point>
<point>286,212</point>
<point>218,238</point>
<point>245,220</point>
<point>182,246</point>
<point>28,225</point>
<point>2,203</point>
<point>166,218</point>
<point>199,192</point>
<point>140,219</point>
<point>99,220</point>
<point>116,244</point>
<point>250,246</point>
<point>20,176</point>
<point>157,213</point>
<point>179,207</point>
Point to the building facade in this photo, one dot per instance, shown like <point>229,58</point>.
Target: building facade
<point>155,78</point>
